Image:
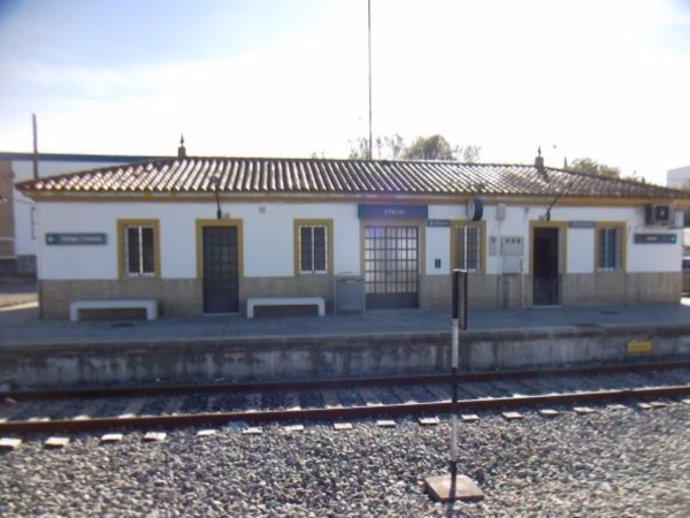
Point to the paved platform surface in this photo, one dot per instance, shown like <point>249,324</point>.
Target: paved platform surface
<point>19,323</point>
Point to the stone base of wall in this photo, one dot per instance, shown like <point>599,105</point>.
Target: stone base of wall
<point>515,291</point>
<point>621,288</point>
<point>178,297</point>
<point>175,297</point>
<point>484,291</point>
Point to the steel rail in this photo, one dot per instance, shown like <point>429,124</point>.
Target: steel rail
<point>268,386</point>
<point>339,413</point>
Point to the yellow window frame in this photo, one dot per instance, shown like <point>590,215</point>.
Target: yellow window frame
<point>296,225</point>
<point>123,224</point>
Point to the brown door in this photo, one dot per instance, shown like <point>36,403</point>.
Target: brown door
<point>545,289</point>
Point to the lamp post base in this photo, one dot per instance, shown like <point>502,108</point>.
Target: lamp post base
<point>465,489</point>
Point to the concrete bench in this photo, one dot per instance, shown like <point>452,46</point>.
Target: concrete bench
<point>285,301</point>
<point>149,305</point>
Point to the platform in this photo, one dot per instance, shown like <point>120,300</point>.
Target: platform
<point>382,342</point>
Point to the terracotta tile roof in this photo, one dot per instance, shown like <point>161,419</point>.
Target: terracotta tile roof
<point>325,176</point>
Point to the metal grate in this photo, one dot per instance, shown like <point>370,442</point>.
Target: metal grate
<point>220,270</point>
<point>391,265</point>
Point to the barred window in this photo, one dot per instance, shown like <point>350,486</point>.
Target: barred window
<point>610,248</point>
<point>468,247</point>
<point>139,250</point>
<point>313,248</point>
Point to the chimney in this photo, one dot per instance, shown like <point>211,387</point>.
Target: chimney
<point>539,160</point>
<point>181,151</point>
<point>539,164</point>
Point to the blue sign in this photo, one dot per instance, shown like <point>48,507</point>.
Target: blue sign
<point>580,224</point>
<point>438,223</point>
<point>655,239</point>
<point>75,238</point>
<point>374,211</point>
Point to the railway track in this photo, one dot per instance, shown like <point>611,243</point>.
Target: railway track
<point>156,407</point>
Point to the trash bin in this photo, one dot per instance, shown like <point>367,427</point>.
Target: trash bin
<point>349,293</point>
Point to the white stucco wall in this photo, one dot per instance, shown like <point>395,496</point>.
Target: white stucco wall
<point>581,241</point>
<point>268,236</point>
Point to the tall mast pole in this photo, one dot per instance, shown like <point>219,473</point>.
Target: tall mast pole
<point>369,34</point>
<point>35,154</point>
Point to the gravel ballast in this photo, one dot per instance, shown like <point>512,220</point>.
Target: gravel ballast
<point>625,462</point>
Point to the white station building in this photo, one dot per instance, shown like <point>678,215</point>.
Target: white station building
<point>206,234</point>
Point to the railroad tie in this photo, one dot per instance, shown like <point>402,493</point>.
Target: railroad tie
<point>133,408</point>
<point>330,398</point>
<point>403,395</point>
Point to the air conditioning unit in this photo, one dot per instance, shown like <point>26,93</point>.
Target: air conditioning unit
<point>659,214</point>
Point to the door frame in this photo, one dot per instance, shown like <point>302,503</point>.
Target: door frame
<point>199,225</point>
<point>396,222</point>
<point>562,227</point>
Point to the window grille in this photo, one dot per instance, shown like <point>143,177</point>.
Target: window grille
<point>610,248</point>
<point>313,246</point>
<point>468,250</point>
<point>139,250</point>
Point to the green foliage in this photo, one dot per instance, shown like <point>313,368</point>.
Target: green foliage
<point>434,147</point>
<point>588,165</point>
<point>393,147</point>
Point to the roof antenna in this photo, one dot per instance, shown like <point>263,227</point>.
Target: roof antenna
<point>181,151</point>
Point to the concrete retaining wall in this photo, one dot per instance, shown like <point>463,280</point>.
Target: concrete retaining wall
<point>326,357</point>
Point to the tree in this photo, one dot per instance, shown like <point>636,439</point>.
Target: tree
<point>393,147</point>
<point>386,147</point>
<point>434,147</point>
<point>588,165</point>
<point>470,154</point>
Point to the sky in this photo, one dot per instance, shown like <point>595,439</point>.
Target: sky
<point>605,79</point>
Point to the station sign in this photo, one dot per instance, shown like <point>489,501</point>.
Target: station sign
<point>438,223</point>
<point>75,238</point>
<point>581,224</point>
<point>378,211</point>
<point>656,239</point>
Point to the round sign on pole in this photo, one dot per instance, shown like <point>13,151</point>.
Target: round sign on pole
<point>475,208</point>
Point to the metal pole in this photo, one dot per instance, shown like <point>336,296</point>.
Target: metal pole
<point>369,39</point>
<point>459,321</point>
<point>35,155</point>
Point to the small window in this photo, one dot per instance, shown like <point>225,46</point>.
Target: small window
<point>138,248</point>
<point>313,248</point>
<point>610,247</point>
<point>467,247</point>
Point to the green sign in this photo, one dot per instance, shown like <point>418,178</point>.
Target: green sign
<point>655,239</point>
<point>76,238</point>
